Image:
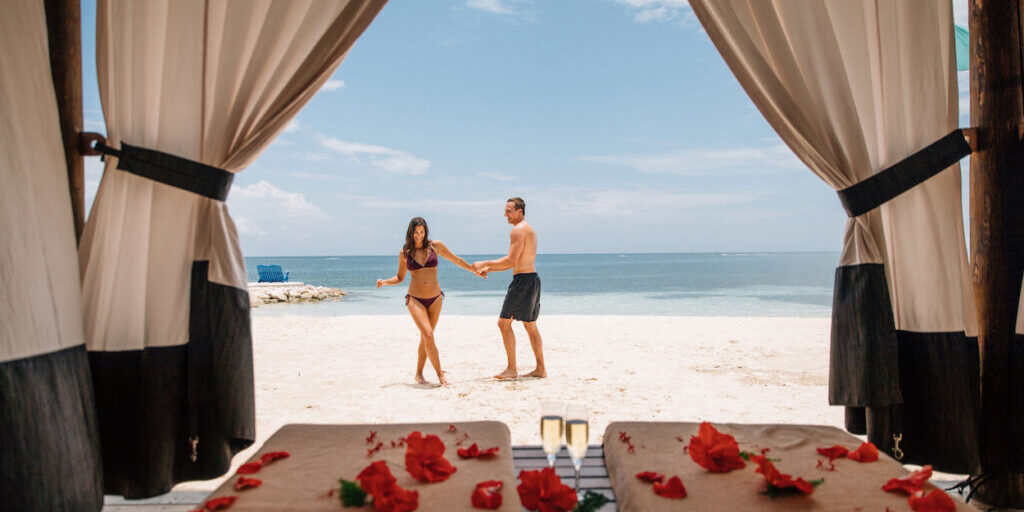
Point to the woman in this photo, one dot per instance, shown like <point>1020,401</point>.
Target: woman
<point>425,298</point>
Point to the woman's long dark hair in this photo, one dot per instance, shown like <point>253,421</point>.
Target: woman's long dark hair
<point>410,244</point>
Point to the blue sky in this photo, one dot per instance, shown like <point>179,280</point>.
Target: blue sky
<point>616,120</point>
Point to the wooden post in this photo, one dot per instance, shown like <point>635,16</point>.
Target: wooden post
<point>997,109</point>
<point>63,23</point>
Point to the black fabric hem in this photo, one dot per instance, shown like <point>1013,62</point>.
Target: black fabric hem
<point>48,430</point>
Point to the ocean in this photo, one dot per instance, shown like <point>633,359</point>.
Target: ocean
<point>678,284</point>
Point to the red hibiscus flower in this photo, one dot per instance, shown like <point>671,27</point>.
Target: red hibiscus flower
<point>909,484</point>
<point>221,503</point>
<point>651,476</point>
<point>867,452</point>
<point>377,481</point>
<point>267,458</point>
<point>544,491</point>
<point>244,483</point>
<point>249,468</point>
<point>778,482</point>
<point>424,458</point>
<point>487,495</point>
<point>715,451</point>
<point>672,489</point>
<point>473,451</point>
<point>834,452</point>
<point>935,501</point>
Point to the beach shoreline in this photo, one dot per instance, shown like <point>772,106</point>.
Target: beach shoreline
<point>357,369</point>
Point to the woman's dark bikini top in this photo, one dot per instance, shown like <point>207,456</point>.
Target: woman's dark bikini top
<point>412,264</point>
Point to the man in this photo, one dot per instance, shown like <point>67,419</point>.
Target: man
<point>522,302</point>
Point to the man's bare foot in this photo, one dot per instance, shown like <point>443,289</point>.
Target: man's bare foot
<point>420,379</point>
<point>509,373</point>
<point>539,373</point>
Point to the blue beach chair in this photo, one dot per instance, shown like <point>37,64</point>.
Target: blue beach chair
<point>271,274</point>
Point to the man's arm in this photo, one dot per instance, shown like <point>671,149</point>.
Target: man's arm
<point>515,249</point>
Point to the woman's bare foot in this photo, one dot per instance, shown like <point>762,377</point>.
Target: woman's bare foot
<point>509,373</point>
<point>539,373</point>
<point>440,377</point>
<point>420,379</point>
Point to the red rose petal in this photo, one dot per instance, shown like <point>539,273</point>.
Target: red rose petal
<point>221,503</point>
<point>249,468</point>
<point>474,451</point>
<point>424,458</point>
<point>487,495</point>
<point>672,489</point>
<point>651,476</point>
<point>267,458</point>
<point>834,452</point>
<point>244,483</point>
<point>867,452</point>
<point>935,501</point>
<point>715,451</point>
<point>909,484</point>
<point>543,490</point>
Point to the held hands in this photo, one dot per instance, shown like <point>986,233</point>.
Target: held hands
<point>380,282</point>
<point>479,269</point>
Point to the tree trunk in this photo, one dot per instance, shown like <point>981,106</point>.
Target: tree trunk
<point>63,23</point>
<point>996,109</point>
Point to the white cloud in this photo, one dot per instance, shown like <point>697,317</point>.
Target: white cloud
<point>643,203</point>
<point>333,85</point>
<point>706,161</point>
<point>649,11</point>
<point>93,174</point>
<point>495,176</point>
<point>491,6</point>
<point>293,126</point>
<point>381,157</point>
<point>420,204</point>
<point>262,196</point>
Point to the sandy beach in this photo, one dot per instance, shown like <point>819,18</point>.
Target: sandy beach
<point>359,369</point>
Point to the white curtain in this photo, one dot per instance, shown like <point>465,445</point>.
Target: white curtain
<point>853,87</point>
<point>49,459</point>
<point>213,81</point>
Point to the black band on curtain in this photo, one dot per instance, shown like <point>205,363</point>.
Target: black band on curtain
<point>911,171</point>
<point>864,356</point>
<point>202,179</point>
<point>940,419</point>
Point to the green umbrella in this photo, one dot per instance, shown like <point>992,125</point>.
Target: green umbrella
<point>963,49</point>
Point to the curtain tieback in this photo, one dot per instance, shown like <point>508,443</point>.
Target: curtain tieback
<point>202,179</point>
<point>911,171</point>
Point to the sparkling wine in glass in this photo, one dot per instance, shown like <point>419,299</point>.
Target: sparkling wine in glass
<point>577,437</point>
<point>552,422</point>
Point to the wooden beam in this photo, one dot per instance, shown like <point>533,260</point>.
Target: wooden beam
<point>997,110</point>
<point>63,23</point>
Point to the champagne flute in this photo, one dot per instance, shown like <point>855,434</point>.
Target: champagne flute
<point>577,437</point>
<point>552,422</point>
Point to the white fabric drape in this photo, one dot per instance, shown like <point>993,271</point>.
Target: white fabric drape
<point>40,304</point>
<point>854,86</point>
<point>212,81</point>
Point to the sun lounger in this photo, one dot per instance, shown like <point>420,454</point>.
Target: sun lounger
<point>271,274</point>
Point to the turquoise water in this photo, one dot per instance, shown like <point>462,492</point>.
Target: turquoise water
<point>685,284</point>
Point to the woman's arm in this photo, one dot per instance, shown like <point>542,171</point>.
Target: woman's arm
<point>397,278</point>
<point>450,256</point>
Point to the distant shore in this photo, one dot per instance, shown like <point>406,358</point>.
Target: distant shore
<point>359,369</point>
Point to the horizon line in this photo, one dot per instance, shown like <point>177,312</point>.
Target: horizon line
<point>556,254</point>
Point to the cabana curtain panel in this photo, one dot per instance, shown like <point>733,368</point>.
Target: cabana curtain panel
<point>854,87</point>
<point>49,457</point>
<point>163,279</point>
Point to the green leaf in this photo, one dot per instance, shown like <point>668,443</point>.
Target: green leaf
<point>591,502</point>
<point>352,495</point>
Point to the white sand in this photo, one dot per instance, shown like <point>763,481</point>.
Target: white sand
<point>359,369</point>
